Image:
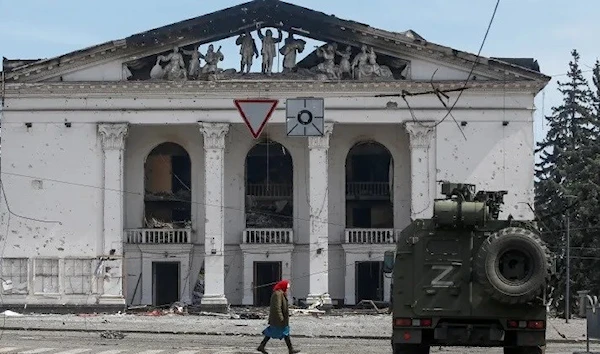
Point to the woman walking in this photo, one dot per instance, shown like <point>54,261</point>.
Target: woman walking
<point>279,318</point>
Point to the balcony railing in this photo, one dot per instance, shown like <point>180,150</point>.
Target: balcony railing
<point>269,190</point>
<point>268,236</point>
<point>158,236</point>
<point>368,189</point>
<point>377,236</point>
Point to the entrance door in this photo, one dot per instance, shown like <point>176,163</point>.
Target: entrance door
<point>266,274</point>
<point>165,282</point>
<point>369,281</point>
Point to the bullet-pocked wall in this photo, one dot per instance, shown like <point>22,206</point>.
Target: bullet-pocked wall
<point>141,141</point>
<point>53,228</point>
<point>239,142</point>
<point>57,172</point>
<point>496,152</point>
<point>60,208</point>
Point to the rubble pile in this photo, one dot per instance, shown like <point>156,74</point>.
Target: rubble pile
<point>265,218</point>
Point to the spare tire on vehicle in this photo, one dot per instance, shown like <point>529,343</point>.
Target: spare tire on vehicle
<point>512,265</point>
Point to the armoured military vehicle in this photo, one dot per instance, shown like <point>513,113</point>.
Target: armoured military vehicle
<point>466,278</point>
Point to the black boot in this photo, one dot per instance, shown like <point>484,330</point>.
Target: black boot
<point>261,347</point>
<point>291,349</point>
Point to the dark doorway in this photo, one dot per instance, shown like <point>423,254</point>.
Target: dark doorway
<point>369,281</point>
<point>165,282</point>
<point>266,274</point>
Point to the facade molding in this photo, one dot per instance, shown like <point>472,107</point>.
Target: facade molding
<point>218,88</point>
<point>321,142</point>
<point>421,133</point>
<point>113,135</point>
<point>214,134</point>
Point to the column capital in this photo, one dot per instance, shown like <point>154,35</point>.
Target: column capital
<point>214,134</point>
<point>113,135</point>
<point>420,133</point>
<point>321,142</point>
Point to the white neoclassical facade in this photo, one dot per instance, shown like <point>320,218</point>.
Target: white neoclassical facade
<point>130,178</point>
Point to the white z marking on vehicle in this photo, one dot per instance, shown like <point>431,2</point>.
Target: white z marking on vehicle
<point>437,281</point>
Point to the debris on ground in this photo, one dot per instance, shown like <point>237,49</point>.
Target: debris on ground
<point>364,307</point>
<point>371,303</point>
<point>178,308</point>
<point>112,335</point>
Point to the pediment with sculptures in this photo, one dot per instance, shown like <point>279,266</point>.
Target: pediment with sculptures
<point>330,61</point>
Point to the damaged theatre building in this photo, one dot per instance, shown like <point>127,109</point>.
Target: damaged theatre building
<point>132,178</point>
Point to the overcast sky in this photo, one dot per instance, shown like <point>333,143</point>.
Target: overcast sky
<point>543,29</point>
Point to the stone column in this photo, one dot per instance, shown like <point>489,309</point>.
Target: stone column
<point>112,136</point>
<point>318,254</point>
<point>214,235</point>
<point>422,167</point>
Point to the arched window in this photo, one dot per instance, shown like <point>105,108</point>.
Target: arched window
<point>168,187</point>
<point>269,186</point>
<point>369,186</point>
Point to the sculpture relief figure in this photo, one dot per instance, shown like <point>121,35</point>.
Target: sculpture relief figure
<point>359,63</point>
<point>328,65</point>
<point>157,71</point>
<point>268,48</point>
<point>372,60</point>
<point>344,67</point>
<point>175,69</point>
<point>212,58</point>
<point>365,65</point>
<point>289,50</point>
<point>194,66</point>
<point>247,49</point>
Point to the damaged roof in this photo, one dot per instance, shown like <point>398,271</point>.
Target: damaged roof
<point>291,18</point>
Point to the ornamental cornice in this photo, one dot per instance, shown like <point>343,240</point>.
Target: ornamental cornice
<point>162,88</point>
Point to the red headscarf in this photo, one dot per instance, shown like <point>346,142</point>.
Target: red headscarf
<point>282,285</point>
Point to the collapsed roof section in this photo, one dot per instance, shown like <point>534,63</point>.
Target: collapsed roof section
<point>292,18</point>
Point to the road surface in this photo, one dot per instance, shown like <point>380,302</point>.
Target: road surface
<point>34,342</point>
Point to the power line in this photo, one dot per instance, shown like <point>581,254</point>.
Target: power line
<point>449,113</point>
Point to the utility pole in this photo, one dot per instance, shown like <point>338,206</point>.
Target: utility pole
<point>568,282</point>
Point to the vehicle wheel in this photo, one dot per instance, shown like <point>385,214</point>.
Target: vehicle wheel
<point>512,265</point>
<point>411,349</point>
<point>525,350</point>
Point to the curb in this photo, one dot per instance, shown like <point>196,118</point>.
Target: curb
<point>206,333</point>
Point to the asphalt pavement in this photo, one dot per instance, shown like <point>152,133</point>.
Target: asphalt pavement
<point>33,342</point>
<point>348,326</point>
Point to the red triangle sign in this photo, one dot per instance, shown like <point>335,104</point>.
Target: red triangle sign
<point>256,113</point>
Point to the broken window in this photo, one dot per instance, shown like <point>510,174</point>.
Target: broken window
<point>78,276</point>
<point>45,276</point>
<point>369,186</point>
<point>269,186</point>
<point>168,194</point>
<point>15,270</point>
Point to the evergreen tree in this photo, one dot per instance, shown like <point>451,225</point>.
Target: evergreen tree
<point>563,185</point>
<point>596,92</point>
